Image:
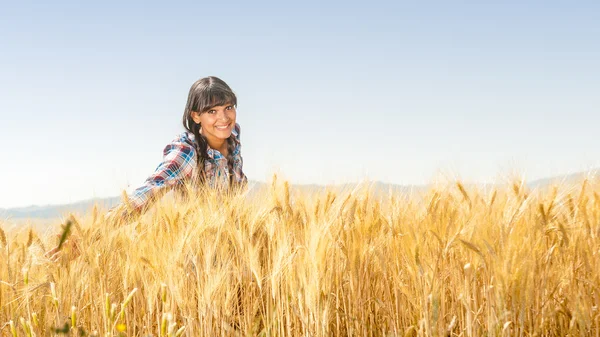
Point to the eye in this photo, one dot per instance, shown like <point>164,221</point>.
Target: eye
<point>229,107</point>
<point>212,112</point>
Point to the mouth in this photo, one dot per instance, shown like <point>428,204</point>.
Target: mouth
<point>222,127</point>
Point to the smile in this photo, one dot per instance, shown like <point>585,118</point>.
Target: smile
<point>222,127</point>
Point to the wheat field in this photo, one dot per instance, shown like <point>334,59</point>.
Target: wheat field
<point>451,261</point>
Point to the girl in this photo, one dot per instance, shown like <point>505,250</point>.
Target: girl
<point>208,153</point>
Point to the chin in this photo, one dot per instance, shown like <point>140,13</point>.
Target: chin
<point>223,136</point>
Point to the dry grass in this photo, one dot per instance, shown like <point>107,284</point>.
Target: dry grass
<point>453,261</point>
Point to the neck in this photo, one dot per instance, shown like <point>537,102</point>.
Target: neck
<point>214,143</point>
<point>219,145</point>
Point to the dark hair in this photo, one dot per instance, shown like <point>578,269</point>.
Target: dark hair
<point>205,94</point>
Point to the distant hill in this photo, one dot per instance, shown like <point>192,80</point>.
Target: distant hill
<point>564,179</point>
<point>56,211</point>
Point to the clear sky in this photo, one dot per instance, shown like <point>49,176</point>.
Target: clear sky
<point>328,92</point>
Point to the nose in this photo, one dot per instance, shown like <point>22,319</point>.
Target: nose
<point>222,115</point>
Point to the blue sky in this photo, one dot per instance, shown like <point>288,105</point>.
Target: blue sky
<point>401,92</point>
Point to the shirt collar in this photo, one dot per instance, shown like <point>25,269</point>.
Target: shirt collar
<point>212,153</point>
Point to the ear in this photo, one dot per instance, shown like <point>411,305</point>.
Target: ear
<point>196,117</point>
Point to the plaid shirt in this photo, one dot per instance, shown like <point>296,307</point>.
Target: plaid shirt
<point>180,165</point>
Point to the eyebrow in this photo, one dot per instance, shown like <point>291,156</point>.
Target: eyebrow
<point>214,106</point>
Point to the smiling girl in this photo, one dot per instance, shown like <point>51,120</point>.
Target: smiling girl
<point>207,153</point>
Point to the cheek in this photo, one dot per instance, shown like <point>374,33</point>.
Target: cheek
<point>206,119</point>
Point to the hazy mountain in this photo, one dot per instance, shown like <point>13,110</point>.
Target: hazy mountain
<point>564,179</point>
<point>55,211</point>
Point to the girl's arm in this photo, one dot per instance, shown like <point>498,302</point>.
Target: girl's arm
<point>179,161</point>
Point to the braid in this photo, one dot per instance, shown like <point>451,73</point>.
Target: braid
<point>230,159</point>
<point>202,153</point>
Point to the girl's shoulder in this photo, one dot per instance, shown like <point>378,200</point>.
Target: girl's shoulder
<point>184,142</point>
<point>185,137</point>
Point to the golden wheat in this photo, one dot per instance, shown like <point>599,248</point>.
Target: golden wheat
<point>455,261</point>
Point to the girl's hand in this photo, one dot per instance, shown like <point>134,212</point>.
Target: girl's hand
<point>69,244</point>
<point>69,247</point>
<point>66,241</point>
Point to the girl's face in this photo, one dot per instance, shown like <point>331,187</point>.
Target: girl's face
<point>217,123</point>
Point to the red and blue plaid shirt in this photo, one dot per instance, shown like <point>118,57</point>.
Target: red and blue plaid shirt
<point>180,165</point>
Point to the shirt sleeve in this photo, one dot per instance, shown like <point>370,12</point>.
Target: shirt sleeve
<point>179,160</point>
